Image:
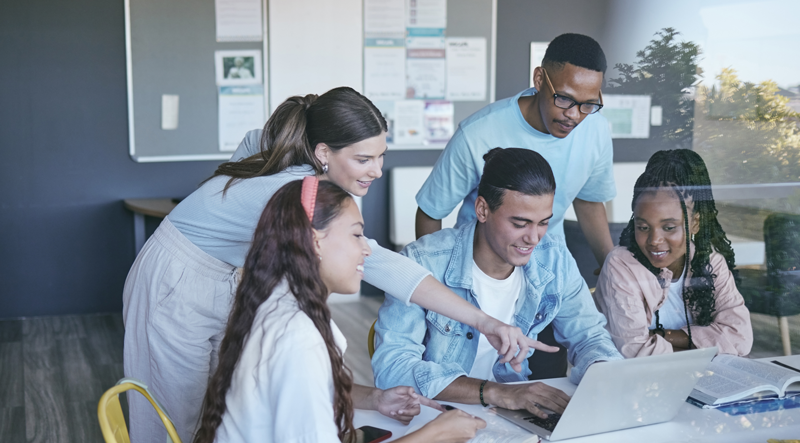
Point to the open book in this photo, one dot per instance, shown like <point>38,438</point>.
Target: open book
<point>736,379</point>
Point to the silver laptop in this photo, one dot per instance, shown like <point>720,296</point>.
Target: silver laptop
<point>622,394</point>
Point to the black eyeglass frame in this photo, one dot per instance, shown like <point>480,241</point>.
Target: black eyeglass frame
<point>573,103</point>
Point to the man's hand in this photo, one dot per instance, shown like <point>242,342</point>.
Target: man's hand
<point>402,403</point>
<point>530,396</point>
<point>508,339</point>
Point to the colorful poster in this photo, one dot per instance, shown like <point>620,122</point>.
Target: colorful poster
<point>438,118</point>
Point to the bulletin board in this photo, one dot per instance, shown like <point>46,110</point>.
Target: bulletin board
<point>389,42</point>
<point>171,46</point>
<point>170,49</point>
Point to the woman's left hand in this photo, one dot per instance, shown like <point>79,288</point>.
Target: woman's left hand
<point>402,403</point>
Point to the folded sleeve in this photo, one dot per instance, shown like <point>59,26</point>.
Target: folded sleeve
<point>454,176</point>
<point>620,297</point>
<point>393,273</point>
<point>731,331</point>
<point>399,348</point>
<point>600,186</point>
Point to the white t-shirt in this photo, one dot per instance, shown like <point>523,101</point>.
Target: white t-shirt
<point>282,387</point>
<point>497,298</point>
<point>672,314</point>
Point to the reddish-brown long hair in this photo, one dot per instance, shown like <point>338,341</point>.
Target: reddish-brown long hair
<point>283,248</point>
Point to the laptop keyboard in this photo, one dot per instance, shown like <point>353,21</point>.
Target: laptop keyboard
<point>548,423</point>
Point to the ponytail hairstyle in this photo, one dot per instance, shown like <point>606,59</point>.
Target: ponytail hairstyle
<point>514,169</point>
<point>684,172</point>
<point>338,118</point>
<point>283,248</point>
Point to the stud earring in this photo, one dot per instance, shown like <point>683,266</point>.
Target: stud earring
<point>325,168</point>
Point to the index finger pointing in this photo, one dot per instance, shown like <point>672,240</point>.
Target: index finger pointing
<point>430,403</point>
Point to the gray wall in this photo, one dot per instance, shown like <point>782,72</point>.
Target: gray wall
<point>66,242</point>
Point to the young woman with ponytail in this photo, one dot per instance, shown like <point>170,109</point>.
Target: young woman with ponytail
<point>180,290</point>
<point>671,285</point>
<point>281,375</point>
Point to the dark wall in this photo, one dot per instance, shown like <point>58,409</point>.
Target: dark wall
<point>66,242</point>
<point>520,22</point>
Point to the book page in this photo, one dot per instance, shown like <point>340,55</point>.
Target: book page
<point>773,374</point>
<point>504,436</point>
<point>727,384</point>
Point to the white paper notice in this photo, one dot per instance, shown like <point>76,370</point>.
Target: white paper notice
<point>384,17</point>
<point>241,108</point>
<point>425,78</point>
<point>537,54</point>
<point>239,20</point>
<point>426,13</point>
<point>385,71</point>
<point>409,122</point>
<point>628,115</point>
<point>466,69</point>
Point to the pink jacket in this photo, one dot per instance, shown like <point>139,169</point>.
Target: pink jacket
<point>628,294</point>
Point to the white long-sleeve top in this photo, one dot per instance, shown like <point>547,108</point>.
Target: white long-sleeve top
<point>282,387</point>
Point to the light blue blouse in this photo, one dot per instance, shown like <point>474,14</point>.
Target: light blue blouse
<point>223,227</point>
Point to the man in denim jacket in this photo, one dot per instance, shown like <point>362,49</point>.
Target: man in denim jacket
<point>503,263</point>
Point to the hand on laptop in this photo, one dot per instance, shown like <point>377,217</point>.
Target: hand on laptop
<point>530,396</point>
<point>508,339</point>
<point>402,403</point>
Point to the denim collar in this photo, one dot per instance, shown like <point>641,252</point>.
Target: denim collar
<point>459,269</point>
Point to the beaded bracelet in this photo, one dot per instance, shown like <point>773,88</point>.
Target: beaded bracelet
<point>483,403</point>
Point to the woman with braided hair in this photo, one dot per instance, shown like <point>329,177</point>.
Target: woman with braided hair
<point>671,285</point>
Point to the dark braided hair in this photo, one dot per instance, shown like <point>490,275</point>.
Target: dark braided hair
<point>685,172</point>
<point>283,248</point>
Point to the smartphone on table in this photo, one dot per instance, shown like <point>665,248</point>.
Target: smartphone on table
<point>370,434</point>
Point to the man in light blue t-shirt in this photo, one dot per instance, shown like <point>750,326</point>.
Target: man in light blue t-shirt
<point>558,120</point>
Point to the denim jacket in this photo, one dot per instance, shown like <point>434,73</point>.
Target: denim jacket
<point>421,348</point>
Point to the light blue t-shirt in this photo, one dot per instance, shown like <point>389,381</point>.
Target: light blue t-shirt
<point>582,162</point>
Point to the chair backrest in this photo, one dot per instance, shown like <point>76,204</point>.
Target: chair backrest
<point>782,244</point>
<point>112,422</point>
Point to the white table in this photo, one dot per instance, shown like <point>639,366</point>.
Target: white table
<point>691,425</point>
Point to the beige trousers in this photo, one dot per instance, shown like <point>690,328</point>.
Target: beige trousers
<point>176,304</point>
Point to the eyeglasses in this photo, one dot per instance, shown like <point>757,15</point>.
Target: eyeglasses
<point>567,103</point>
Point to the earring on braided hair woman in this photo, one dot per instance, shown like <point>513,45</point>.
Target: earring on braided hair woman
<point>671,285</point>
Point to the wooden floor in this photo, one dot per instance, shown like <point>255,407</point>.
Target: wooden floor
<point>53,370</point>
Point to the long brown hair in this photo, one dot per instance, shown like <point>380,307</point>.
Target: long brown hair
<point>338,118</point>
<point>283,248</point>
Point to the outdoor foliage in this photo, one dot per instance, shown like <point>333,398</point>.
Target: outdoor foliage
<point>747,131</point>
<point>666,70</point>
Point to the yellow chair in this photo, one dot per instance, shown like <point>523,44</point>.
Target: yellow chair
<point>112,422</point>
<point>371,339</point>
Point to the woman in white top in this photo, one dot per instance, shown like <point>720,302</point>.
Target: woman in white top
<point>281,375</point>
<point>179,292</point>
